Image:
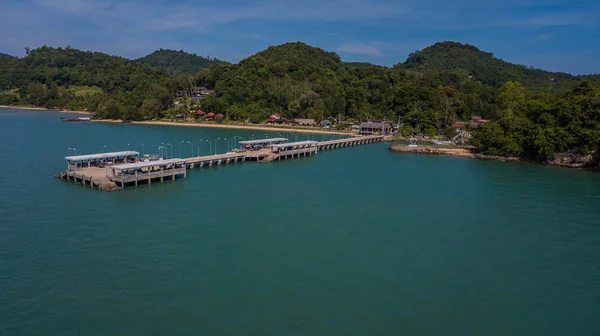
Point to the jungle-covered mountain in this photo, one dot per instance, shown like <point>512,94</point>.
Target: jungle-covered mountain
<point>178,62</point>
<point>434,88</point>
<point>5,58</point>
<point>468,60</point>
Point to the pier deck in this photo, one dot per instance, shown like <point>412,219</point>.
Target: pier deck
<point>210,160</point>
<point>82,170</point>
<point>347,142</point>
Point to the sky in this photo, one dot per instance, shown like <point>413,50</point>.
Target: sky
<point>555,35</point>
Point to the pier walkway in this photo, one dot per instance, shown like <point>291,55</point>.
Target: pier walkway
<point>89,169</point>
<point>348,142</point>
<point>210,160</point>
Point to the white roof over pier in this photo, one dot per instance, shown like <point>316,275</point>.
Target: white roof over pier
<point>298,143</point>
<point>90,157</point>
<point>144,164</point>
<point>263,141</point>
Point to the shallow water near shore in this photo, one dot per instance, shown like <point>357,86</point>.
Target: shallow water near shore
<point>353,241</point>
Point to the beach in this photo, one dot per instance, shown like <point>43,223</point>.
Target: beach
<point>41,109</point>
<point>230,126</point>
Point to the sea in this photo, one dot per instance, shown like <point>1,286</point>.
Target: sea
<point>354,241</point>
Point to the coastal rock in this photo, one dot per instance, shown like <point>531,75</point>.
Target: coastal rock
<point>108,186</point>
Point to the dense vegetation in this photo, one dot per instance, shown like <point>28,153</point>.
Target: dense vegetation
<point>429,92</point>
<point>178,62</point>
<point>466,60</point>
<point>5,58</point>
<point>543,126</point>
<point>113,87</point>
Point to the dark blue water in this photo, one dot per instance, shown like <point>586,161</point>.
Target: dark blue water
<point>353,241</point>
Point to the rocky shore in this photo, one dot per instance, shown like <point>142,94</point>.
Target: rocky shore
<point>568,160</point>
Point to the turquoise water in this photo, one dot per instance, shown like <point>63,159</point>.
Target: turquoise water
<point>349,242</point>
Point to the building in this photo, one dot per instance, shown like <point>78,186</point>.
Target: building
<point>375,127</point>
<point>326,123</point>
<point>475,122</point>
<point>305,122</point>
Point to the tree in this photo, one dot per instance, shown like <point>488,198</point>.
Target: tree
<point>36,93</point>
<point>151,108</point>
<point>511,97</point>
<point>450,103</point>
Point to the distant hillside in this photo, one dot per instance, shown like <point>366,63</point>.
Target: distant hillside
<point>297,60</point>
<point>485,68</point>
<point>67,77</point>
<point>178,62</point>
<point>299,81</point>
<point>5,58</point>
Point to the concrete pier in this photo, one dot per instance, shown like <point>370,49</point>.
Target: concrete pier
<point>87,170</point>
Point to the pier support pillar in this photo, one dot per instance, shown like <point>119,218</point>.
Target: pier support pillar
<point>136,178</point>
<point>83,180</point>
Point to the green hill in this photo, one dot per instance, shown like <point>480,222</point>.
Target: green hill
<point>5,58</point>
<point>178,62</point>
<point>66,77</point>
<point>295,80</point>
<point>482,66</point>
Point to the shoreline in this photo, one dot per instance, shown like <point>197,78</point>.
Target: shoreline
<point>33,108</point>
<point>227,126</point>
<point>469,152</point>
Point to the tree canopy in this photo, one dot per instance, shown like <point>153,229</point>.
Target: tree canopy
<point>532,115</point>
<point>178,62</point>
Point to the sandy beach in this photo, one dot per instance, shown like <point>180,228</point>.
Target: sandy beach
<point>41,109</point>
<point>250,127</point>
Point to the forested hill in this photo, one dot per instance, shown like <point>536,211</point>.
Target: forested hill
<point>466,59</point>
<point>433,89</point>
<point>297,81</point>
<point>71,78</point>
<point>5,58</point>
<point>178,62</point>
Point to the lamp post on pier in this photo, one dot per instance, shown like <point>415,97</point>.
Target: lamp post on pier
<point>143,150</point>
<point>168,144</point>
<point>192,146</point>
<point>102,149</point>
<point>209,146</point>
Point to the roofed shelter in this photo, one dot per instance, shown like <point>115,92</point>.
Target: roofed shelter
<point>295,149</point>
<point>146,171</point>
<point>88,160</point>
<point>263,142</point>
<point>375,127</point>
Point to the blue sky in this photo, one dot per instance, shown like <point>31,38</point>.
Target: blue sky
<point>557,35</point>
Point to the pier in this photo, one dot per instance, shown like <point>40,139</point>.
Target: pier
<point>348,142</point>
<point>108,171</point>
<point>219,159</point>
<point>147,171</point>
